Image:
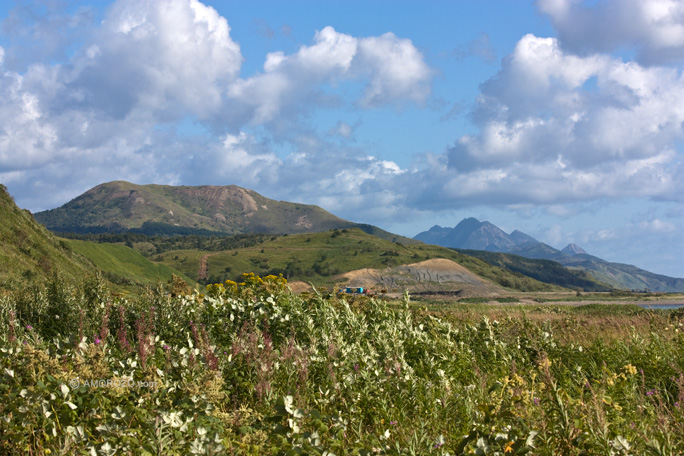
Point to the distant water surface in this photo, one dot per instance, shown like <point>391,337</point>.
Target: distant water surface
<point>661,306</point>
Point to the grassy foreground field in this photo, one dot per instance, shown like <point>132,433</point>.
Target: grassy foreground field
<point>251,368</point>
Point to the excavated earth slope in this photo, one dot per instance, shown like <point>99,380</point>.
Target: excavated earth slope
<point>436,276</point>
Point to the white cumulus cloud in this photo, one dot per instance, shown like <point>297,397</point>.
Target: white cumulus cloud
<point>397,70</point>
<point>556,127</point>
<point>153,93</point>
<point>173,56</point>
<point>393,68</point>
<point>654,28</point>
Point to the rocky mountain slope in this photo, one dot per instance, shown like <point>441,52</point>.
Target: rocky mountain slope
<point>158,209</point>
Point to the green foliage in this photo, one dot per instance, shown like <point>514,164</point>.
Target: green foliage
<point>249,368</point>
<point>161,244</point>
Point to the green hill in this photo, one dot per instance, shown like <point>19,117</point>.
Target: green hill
<point>29,252</point>
<point>122,265</point>
<point>321,257</point>
<point>118,207</point>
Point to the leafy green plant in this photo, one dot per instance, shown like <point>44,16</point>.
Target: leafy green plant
<point>249,368</point>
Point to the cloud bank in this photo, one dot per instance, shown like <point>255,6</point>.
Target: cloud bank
<point>116,107</point>
<point>154,93</point>
<point>557,127</point>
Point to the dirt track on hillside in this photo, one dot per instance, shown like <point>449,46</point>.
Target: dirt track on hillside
<point>203,266</point>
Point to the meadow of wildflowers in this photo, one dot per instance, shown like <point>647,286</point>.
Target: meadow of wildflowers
<point>250,368</point>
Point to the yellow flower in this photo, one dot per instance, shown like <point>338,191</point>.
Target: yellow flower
<point>544,363</point>
<point>630,369</point>
<point>516,379</point>
<point>509,447</point>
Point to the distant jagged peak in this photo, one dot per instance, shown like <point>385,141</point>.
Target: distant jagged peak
<point>573,249</point>
<point>489,224</point>
<point>493,230</point>
<point>521,238</point>
<point>438,228</point>
<point>468,223</point>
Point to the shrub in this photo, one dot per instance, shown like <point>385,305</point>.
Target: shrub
<point>250,368</point>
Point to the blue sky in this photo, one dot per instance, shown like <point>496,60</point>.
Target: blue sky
<point>561,118</point>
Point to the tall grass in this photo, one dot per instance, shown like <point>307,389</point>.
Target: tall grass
<point>251,368</point>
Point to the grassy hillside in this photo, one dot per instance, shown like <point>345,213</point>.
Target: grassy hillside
<point>161,209</point>
<point>543,270</point>
<point>320,257</point>
<point>122,265</point>
<point>29,252</point>
<point>382,234</point>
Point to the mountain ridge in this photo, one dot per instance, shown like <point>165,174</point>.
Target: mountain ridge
<point>120,206</point>
<point>471,234</point>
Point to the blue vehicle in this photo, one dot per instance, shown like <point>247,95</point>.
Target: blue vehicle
<point>353,290</point>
